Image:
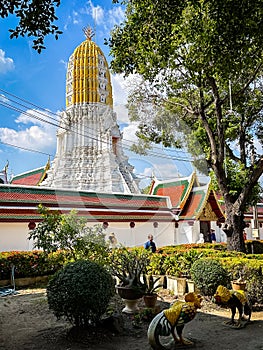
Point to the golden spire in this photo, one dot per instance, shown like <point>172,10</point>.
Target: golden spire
<point>88,32</point>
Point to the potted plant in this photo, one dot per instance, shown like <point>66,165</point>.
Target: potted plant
<point>238,277</point>
<point>151,286</point>
<point>128,267</point>
<point>239,284</point>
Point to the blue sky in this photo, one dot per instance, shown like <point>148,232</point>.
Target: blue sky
<point>31,81</point>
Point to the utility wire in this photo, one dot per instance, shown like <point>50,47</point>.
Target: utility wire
<point>27,149</point>
<point>56,124</point>
<point>151,153</point>
<point>68,129</point>
<point>56,115</point>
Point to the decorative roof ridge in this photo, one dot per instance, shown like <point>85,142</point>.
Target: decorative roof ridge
<point>47,167</point>
<point>202,187</point>
<point>205,199</point>
<point>192,179</point>
<point>216,200</point>
<point>209,190</point>
<point>175,179</point>
<point>152,185</point>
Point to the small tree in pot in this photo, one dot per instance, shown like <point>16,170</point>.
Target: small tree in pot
<point>152,285</point>
<point>128,267</point>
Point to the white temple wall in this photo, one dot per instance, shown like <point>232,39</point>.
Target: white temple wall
<point>14,236</point>
<point>185,234</point>
<point>137,236</point>
<point>196,232</point>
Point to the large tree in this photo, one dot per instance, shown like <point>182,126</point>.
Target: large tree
<point>201,60</point>
<point>35,18</point>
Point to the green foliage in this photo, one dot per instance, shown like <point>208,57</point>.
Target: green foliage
<point>80,292</point>
<point>250,269</point>
<point>254,289</point>
<point>35,19</point>
<point>152,284</point>
<point>70,232</point>
<point>208,274</point>
<point>171,265</point>
<point>155,266</point>
<point>144,315</point>
<point>30,264</point>
<point>201,69</point>
<point>179,264</point>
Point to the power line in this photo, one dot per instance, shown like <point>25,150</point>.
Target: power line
<point>56,115</point>
<point>67,129</point>
<point>56,124</point>
<point>26,149</point>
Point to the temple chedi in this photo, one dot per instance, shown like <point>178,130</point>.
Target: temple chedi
<point>89,152</point>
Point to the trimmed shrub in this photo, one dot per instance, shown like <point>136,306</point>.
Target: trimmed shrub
<point>208,274</point>
<point>31,263</point>
<point>81,292</point>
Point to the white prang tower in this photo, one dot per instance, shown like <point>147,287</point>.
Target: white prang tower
<point>89,143</point>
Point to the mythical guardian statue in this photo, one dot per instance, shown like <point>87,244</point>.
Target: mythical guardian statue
<point>172,320</point>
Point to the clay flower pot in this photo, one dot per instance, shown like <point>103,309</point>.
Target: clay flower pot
<point>150,300</point>
<point>238,285</point>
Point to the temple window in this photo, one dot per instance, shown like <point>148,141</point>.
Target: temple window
<point>114,145</point>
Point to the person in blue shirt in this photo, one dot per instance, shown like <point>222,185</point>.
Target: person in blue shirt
<point>212,236</point>
<point>150,244</point>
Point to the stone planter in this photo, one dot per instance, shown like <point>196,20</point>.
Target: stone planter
<point>130,297</point>
<point>191,287</point>
<point>172,284</point>
<point>162,280</point>
<point>181,285</point>
<point>177,285</point>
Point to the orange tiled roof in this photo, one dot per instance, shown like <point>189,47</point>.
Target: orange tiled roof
<point>177,190</point>
<point>32,177</point>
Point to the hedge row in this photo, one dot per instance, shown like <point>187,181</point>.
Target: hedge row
<point>30,264</point>
<point>170,260</point>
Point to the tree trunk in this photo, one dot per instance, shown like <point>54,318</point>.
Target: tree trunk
<point>233,228</point>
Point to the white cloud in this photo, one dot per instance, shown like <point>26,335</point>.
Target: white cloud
<point>97,13</point>
<point>122,113</point>
<point>40,136</point>
<point>116,15</point>
<point>75,17</point>
<point>101,16</point>
<point>6,63</point>
<point>3,98</point>
<point>129,133</point>
<point>64,63</point>
<point>120,89</point>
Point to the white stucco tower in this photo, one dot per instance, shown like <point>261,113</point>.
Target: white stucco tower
<point>89,143</point>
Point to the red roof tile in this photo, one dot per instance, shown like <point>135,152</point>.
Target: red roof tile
<point>31,178</point>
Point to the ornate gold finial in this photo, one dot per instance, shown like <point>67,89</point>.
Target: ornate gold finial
<point>88,32</point>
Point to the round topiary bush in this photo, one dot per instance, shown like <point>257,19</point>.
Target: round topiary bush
<point>81,292</point>
<point>208,274</point>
